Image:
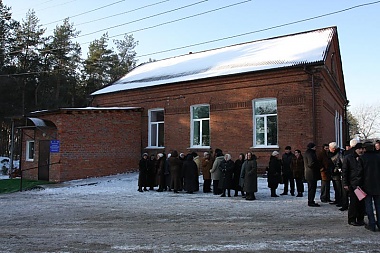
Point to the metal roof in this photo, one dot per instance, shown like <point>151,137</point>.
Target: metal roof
<point>279,52</point>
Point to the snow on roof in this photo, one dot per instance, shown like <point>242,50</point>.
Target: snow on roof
<point>301,48</point>
<point>86,109</point>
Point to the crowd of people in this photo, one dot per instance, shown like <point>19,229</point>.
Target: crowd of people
<point>358,166</point>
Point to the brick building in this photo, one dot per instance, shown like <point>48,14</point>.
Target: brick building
<point>258,96</point>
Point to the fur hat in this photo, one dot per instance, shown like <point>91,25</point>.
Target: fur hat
<point>274,153</point>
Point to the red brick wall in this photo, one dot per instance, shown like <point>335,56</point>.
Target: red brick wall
<point>231,119</point>
<point>92,143</point>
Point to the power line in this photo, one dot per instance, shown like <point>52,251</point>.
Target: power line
<point>86,12</point>
<point>180,19</point>
<point>137,20</point>
<point>229,37</point>
<point>261,30</point>
<point>122,13</point>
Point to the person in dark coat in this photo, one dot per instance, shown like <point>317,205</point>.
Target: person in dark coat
<point>175,165</point>
<point>236,177</point>
<point>274,173</point>
<point>298,170</point>
<point>312,173</point>
<point>190,174</point>
<point>335,166</point>
<point>152,173</point>
<point>352,172</point>
<point>323,159</point>
<point>250,176</point>
<point>227,170</point>
<point>287,174</point>
<point>371,185</point>
<point>167,174</point>
<point>160,168</point>
<point>143,172</point>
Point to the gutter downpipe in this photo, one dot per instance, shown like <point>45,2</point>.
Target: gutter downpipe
<point>314,127</point>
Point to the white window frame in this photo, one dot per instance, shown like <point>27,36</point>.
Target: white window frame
<point>192,121</point>
<point>338,129</point>
<point>28,155</point>
<point>150,123</point>
<point>265,116</point>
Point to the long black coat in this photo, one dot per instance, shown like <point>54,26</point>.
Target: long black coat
<point>286,162</point>
<point>371,172</point>
<point>274,172</point>
<point>312,170</point>
<point>227,169</point>
<point>190,174</point>
<point>144,167</point>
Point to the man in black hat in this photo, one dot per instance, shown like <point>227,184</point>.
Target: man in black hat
<point>352,175</point>
<point>312,173</point>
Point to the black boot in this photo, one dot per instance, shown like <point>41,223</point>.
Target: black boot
<point>273,192</point>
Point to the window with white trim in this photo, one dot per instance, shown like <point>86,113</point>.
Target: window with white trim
<point>156,128</point>
<point>338,129</point>
<point>29,154</point>
<point>200,126</point>
<point>265,123</point>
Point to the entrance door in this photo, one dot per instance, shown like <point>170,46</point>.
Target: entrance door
<point>43,160</point>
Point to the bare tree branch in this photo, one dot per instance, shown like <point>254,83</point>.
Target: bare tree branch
<point>368,120</point>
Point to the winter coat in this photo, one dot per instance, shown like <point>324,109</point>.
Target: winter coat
<point>311,165</point>
<point>335,164</point>
<point>227,170</point>
<point>236,176</point>
<point>286,161</point>
<point>175,165</point>
<point>190,174</point>
<point>152,173</point>
<point>215,172</point>
<point>160,168</point>
<point>297,167</point>
<point>371,172</point>
<point>352,171</point>
<point>323,159</point>
<point>250,175</point>
<point>197,161</point>
<point>206,166</point>
<point>144,167</point>
<point>274,172</point>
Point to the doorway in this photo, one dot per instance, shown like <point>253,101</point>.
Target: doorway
<point>43,160</point>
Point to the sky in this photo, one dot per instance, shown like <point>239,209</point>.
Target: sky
<point>168,28</point>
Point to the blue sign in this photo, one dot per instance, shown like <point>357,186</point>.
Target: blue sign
<point>54,146</point>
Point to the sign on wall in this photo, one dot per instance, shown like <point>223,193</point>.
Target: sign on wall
<point>54,146</point>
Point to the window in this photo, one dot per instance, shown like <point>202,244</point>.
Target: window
<point>338,129</point>
<point>29,156</point>
<point>156,128</point>
<point>200,126</point>
<point>265,123</point>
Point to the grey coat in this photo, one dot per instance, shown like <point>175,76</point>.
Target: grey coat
<point>216,173</point>
<point>250,175</point>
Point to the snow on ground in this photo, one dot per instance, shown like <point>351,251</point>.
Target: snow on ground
<point>108,214</point>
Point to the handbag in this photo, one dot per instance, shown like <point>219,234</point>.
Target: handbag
<point>360,193</point>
